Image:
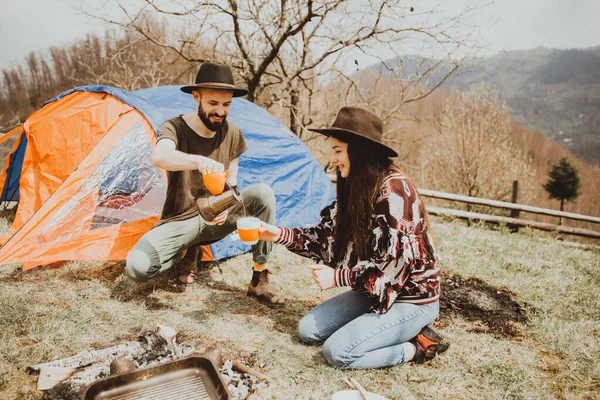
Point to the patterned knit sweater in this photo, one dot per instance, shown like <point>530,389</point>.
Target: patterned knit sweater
<point>402,262</point>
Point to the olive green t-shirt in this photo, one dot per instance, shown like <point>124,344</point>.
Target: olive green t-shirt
<point>184,187</point>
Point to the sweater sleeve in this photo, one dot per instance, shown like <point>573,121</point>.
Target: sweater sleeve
<point>392,247</point>
<point>314,242</point>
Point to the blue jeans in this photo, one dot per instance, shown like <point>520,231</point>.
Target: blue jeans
<point>356,338</point>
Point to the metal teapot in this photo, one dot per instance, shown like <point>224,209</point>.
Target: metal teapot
<point>212,206</point>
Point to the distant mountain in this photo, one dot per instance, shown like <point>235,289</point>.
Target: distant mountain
<point>554,91</point>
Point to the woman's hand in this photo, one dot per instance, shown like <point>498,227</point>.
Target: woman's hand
<point>268,232</point>
<point>323,276</point>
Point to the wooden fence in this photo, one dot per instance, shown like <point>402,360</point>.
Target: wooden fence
<point>515,208</point>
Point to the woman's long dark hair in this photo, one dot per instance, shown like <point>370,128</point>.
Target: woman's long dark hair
<point>356,196</point>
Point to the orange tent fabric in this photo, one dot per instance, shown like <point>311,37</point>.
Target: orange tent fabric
<point>80,150</point>
<point>60,135</point>
<point>65,226</point>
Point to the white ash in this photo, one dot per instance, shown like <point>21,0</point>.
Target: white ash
<point>238,384</point>
<point>155,350</point>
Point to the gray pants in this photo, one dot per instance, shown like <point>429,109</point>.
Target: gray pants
<point>162,247</point>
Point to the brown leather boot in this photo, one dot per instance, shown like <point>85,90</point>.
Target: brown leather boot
<point>186,272</point>
<point>261,289</point>
<point>428,343</point>
<point>187,269</point>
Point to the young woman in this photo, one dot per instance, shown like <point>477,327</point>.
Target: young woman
<point>375,237</point>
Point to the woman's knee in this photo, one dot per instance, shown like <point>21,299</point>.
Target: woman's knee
<point>336,355</point>
<point>307,331</point>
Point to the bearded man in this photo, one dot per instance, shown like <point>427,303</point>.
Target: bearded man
<point>188,147</point>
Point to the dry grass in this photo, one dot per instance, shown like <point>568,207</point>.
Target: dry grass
<point>54,313</point>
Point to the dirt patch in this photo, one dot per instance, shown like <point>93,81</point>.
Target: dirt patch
<point>492,309</point>
<point>106,272</point>
<point>129,291</point>
<point>13,276</point>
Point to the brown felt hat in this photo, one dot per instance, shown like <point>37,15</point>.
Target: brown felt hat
<point>215,76</point>
<point>354,123</point>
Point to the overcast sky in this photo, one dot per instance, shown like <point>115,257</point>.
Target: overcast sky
<point>32,25</point>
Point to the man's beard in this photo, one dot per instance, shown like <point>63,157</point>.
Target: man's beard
<point>205,118</point>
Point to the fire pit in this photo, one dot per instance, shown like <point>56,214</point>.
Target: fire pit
<point>153,367</point>
<point>188,378</point>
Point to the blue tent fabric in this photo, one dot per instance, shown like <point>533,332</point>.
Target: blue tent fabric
<point>275,156</point>
<point>13,173</point>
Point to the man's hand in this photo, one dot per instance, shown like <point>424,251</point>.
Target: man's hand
<point>221,218</point>
<point>323,276</point>
<point>207,165</point>
<point>268,232</point>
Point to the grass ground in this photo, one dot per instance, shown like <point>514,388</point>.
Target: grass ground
<point>522,312</point>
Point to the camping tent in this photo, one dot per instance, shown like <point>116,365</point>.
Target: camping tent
<point>87,190</point>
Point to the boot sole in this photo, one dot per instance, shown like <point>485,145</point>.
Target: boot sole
<point>186,283</point>
<point>434,350</point>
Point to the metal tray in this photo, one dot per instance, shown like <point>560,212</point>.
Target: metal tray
<point>188,378</point>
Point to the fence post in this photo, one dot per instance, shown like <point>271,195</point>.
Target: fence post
<point>515,200</point>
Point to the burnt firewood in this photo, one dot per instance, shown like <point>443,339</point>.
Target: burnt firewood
<point>51,376</point>
<point>120,365</point>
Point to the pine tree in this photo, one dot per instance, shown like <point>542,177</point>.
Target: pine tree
<point>564,183</point>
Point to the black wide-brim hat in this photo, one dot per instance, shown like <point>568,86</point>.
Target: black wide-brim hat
<point>215,76</point>
<point>354,124</point>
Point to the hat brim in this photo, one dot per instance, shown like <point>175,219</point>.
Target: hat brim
<point>345,134</point>
<point>236,92</point>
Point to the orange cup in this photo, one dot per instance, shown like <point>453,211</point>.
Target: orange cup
<point>215,181</point>
<point>247,228</point>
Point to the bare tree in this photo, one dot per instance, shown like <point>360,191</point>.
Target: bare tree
<point>129,62</point>
<point>472,152</point>
<point>286,50</point>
